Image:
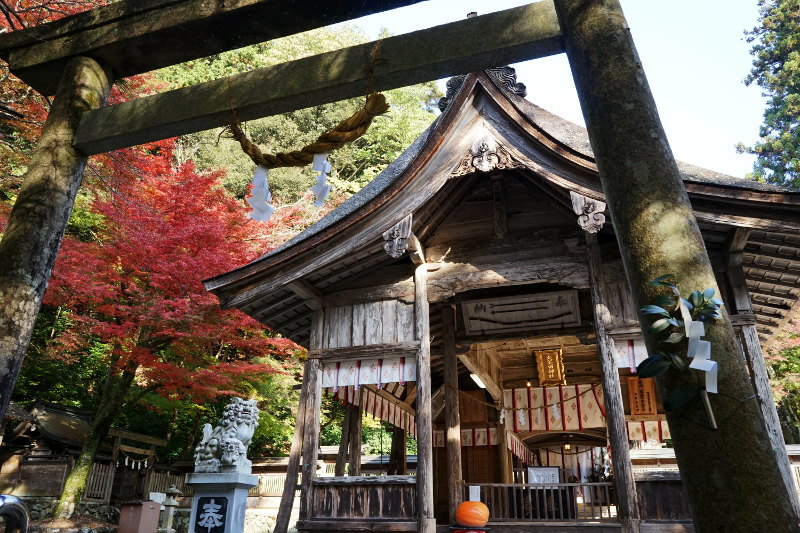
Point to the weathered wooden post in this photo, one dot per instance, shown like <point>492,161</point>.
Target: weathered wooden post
<point>721,469</point>
<point>627,499</point>
<point>424,477</point>
<point>40,214</point>
<point>308,467</point>
<point>451,411</point>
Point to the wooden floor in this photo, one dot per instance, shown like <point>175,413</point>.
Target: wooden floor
<point>582,527</point>
<point>547,527</point>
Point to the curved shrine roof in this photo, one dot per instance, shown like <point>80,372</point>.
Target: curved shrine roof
<point>772,212</point>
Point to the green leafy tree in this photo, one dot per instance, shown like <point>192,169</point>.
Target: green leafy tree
<point>776,69</point>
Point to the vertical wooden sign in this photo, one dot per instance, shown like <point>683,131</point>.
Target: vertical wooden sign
<point>642,396</point>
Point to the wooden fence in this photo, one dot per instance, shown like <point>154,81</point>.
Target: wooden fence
<point>100,482</point>
<point>551,501</point>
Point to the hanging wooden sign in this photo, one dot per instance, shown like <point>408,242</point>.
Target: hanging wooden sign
<point>524,312</point>
<point>551,367</point>
<point>642,396</point>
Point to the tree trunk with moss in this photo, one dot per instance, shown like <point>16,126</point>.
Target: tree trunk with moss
<point>112,398</point>
<point>40,214</point>
<point>735,480</point>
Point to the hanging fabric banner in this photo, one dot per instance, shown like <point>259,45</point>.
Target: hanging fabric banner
<point>470,437</point>
<point>518,449</point>
<point>357,372</point>
<point>376,406</point>
<point>629,352</point>
<point>649,431</point>
<point>559,408</point>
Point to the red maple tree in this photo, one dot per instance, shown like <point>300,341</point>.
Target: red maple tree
<point>136,288</point>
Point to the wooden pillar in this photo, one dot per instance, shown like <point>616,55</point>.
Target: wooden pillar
<point>312,419</point>
<point>397,456</point>
<point>344,445</point>
<point>354,466</point>
<point>293,468</point>
<point>451,411</point>
<point>627,499</point>
<point>36,225</point>
<point>658,234</point>
<point>505,457</point>
<point>424,477</point>
<point>755,358</point>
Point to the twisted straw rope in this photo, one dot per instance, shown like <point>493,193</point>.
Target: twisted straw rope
<point>346,131</point>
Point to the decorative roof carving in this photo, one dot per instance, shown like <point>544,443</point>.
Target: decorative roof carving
<point>485,155</point>
<point>507,77</point>
<point>589,211</point>
<point>396,237</point>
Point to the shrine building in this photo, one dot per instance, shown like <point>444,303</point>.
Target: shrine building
<point>473,296</point>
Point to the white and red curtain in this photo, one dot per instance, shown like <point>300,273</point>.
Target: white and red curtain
<point>577,461</point>
<point>359,372</point>
<point>470,437</point>
<point>518,449</point>
<point>649,431</point>
<point>555,408</point>
<point>377,406</point>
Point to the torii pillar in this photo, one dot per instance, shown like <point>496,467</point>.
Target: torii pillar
<point>734,478</point>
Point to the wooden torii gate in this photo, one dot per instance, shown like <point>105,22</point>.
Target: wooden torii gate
<point>649,206</point>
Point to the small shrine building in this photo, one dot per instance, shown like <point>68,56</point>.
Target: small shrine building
<point>473,296</point>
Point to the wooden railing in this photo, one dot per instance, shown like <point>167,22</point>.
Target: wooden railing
<point>552,501</point>
<point>364,497</point>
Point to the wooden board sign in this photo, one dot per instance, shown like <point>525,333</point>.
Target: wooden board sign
<point>518,313</point>
<point>550,364</point>
<point>642,396</point>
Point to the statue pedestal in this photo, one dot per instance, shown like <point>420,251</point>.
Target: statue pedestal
<point>219,501</point>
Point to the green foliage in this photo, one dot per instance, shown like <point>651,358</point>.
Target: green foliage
<point>354,165</point>
<point>669,329</point>
<point>70,380</point>
<point>776,69</point>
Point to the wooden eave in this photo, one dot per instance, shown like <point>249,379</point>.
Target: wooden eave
<point>351,245</point>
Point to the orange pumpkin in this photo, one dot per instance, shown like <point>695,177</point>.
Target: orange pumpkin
<point>472,514</point>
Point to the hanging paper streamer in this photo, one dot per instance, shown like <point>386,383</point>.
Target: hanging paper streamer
<point>261,196</point>
<point>699,350</point>
<point>321,189</point>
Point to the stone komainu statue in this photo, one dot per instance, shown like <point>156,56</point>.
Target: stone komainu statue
<point>224,449</point>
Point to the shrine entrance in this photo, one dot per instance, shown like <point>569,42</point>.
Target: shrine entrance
<point>471,239</point>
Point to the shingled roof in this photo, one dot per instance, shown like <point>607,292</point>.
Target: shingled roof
<point>559,151</point>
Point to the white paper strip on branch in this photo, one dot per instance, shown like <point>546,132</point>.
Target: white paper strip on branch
<point>471,437</point>
<point>369,372</point>
<point>649,431</point>
<point>559,408</point>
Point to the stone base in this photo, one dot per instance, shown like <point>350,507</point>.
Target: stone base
<point>219,501</point>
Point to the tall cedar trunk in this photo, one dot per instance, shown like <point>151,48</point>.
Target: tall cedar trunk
<point>112,399</point>
<point>36,224</point>
<point>732,476</point>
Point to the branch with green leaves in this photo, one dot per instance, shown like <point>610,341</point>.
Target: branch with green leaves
<point>672,312</point>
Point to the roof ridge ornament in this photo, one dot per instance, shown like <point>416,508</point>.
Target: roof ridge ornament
<point>506,76</point>
<point>485,155</point>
